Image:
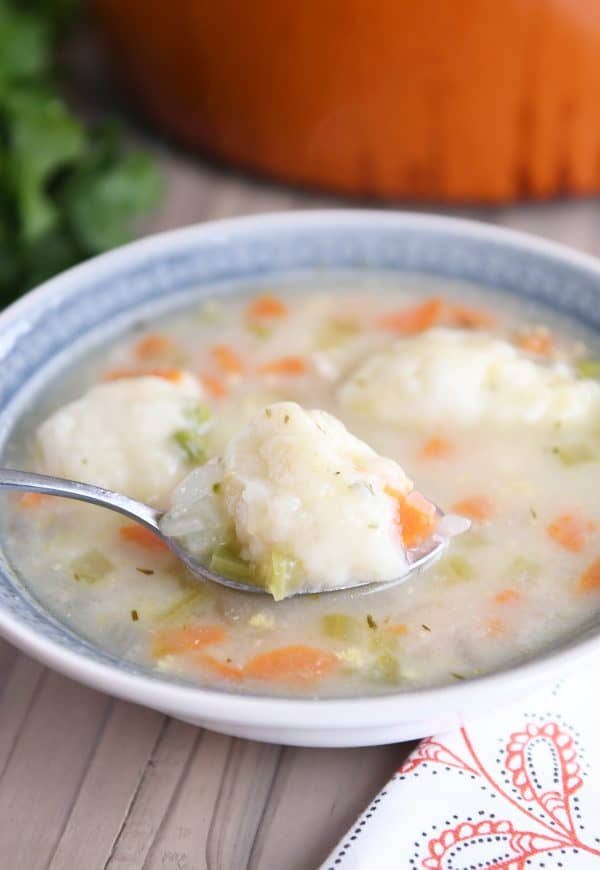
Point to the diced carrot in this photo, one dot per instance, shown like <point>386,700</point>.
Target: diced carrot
<point>267,306</point>
<point>285,365</point>
<point>221,668</point>
<point>33,500</point>
<point>417,318</point>
<point>415,517</point>
<point>400,628</point>
<point>227,360</point>
<point>506,595</point>
<point>590,579</point>
<point>296,663</point>
<point>152,345</point>
<point>571,532</point>
<point>538,341</point>
<point>190,638</point>
<point>437,448</point>
<point>214,386</point>
<point>469,318</point>
<point>173,375</point>
<point>143,537</point>
<point>495,627</point>
<point>477,507</point>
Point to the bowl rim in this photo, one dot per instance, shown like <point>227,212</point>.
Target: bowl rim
<point>230,707</point>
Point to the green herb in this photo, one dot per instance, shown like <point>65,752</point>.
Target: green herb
<point>370,621</point>
<point>216,487</point>
<point>134,615</point>
<point>91,567</point>
<point>194,444</point>
<point>147,571</point>
<point>574,454</point>
<point>588,368</point>
<point>425,627</point>
<point>457,676</point>
<point>66,191</point>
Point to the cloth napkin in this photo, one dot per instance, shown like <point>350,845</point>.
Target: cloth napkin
<point>518,792</point>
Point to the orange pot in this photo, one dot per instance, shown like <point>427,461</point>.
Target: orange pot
<point>452,100</point>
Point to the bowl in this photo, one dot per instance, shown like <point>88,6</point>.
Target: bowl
<point>48,330</point>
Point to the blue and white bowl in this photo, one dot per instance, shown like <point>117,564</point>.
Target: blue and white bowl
<point>49,330</point>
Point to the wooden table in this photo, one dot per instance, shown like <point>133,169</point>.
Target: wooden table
<point>89,782</point>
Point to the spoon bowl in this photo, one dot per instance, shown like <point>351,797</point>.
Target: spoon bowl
<point>25,481</point>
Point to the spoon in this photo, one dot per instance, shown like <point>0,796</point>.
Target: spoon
<point>150,517</point>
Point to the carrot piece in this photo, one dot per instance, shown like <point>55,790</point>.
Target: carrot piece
<point>399,629</point>
<point>143,537</point>
<point>33,500</point>
<point>437,448</point>
<point>227,360</point>
<point>286,365</point>
<point>296,663</point>
<point>214,386</point>
<point>469,318</point>
<point>409,321</point>
<point>506,595</point>
<point>538,341</point>
<point>590,579</point>
<point>190,638</point>
<point>173,375</point>
<point>571,532</point>
<point>267,306</point>
<point>415,516</point>
<point>152,345</point>
<point>477,507</point>
<point>220,668</point>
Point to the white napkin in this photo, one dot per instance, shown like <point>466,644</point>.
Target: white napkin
<point>518,792</point>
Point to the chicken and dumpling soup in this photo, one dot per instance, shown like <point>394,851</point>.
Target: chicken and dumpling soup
<point>484,405</point>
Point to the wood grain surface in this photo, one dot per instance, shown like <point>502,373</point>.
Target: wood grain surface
<point>88,782</point>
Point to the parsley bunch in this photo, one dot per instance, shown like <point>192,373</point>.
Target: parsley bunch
<point>66,191</point>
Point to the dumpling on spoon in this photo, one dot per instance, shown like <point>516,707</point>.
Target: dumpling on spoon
<point>297,502</point>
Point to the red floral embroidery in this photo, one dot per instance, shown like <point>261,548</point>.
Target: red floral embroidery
<point>542,794</point>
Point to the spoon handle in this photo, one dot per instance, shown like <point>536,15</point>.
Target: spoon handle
<point>27,481</point>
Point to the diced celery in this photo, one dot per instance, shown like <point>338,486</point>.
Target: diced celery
<point>574,454</point>
<point>471,540</point>
<point>335,332</point>
<point>227,562</point>
<point>91,567</point>
<point>339,626</point>
<point>588,368</point>
<point>185,607</point>
<point>258,329</point>
<point>382,641</point>
<point>194,444</point>
<point>199,413</point>
<point>456,569</point>
<point>523,569</point>
<point>280,574</point>
<point>210,312</point>
<point>386,669</point>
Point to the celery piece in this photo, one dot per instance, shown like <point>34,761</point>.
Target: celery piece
<point>184,607</point>
<point>228,563</point>
<point>588,368</point>
<point>521,568</point>
<point>194,444</point>
<point>210,312</point>
<point>456,569</point>
<point>335,332</point>
<point>280,574</point>
<point>574,454</point>
<point>381,641</point>
<point>199,413</point>
<point>91,567</point>
<point>339,626</point>
<point>386,669</point>
<point>258,329</point>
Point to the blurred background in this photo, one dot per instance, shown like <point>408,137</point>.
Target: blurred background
<point>123,117</point>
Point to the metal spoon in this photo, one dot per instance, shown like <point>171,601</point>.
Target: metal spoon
<point>150,517</point>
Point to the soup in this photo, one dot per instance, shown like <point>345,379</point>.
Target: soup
<point>490,406</point>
